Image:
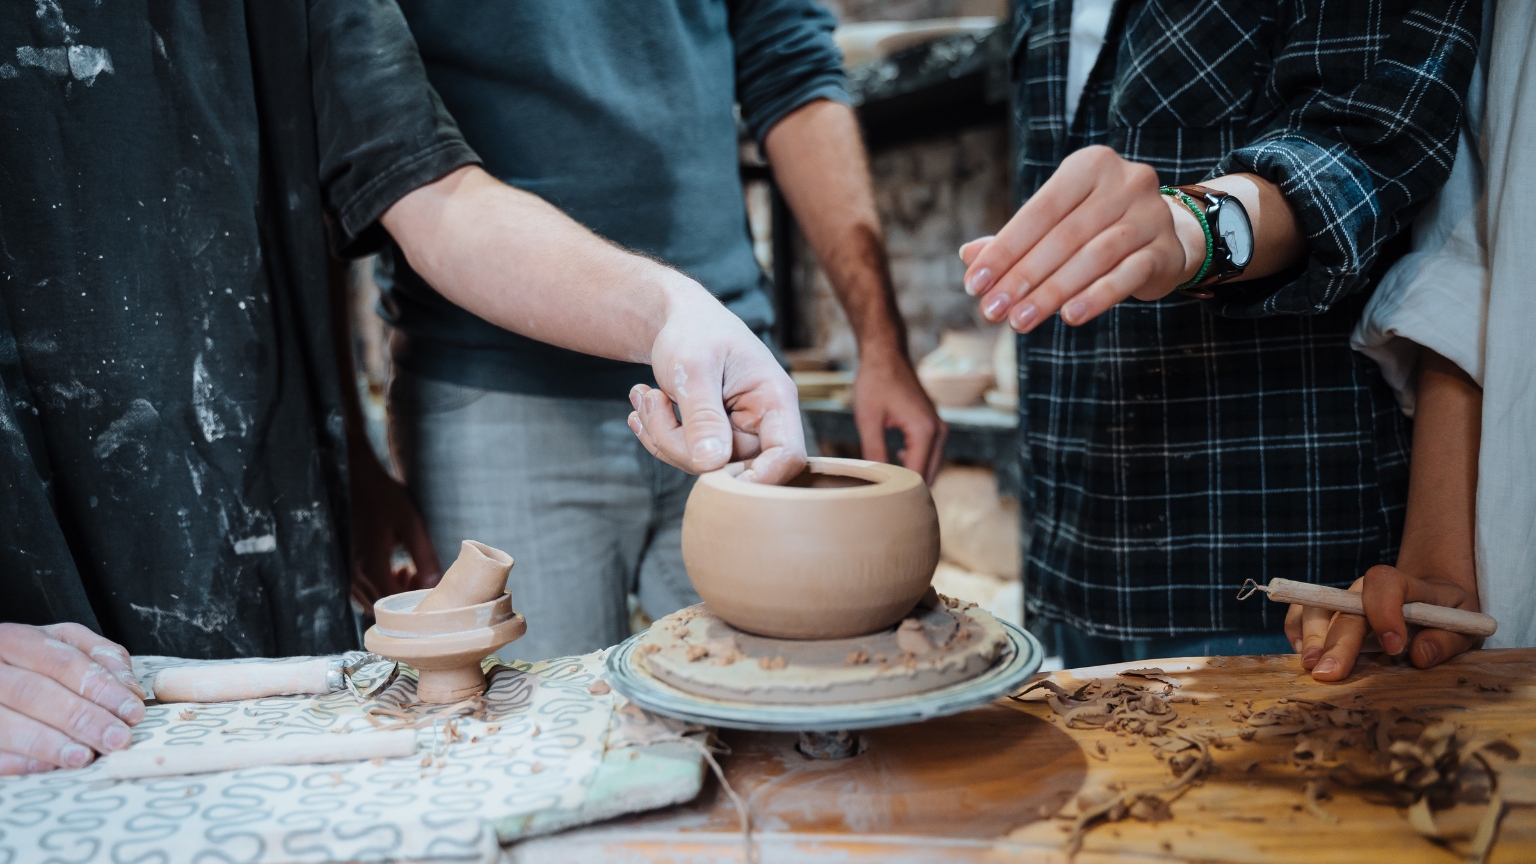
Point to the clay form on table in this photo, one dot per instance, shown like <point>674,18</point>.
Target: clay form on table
<point>445,645</point>
<point>231,682</point>
<point>479,574</point>
<point>846,548</point>
<point>137,763</point>
<point>711,659</point>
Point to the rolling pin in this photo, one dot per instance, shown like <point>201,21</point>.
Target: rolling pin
<point>1339,600</point>
<point>234,681</point>
<point>136,763</point>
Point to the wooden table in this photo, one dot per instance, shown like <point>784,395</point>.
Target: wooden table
<point>981,786</point>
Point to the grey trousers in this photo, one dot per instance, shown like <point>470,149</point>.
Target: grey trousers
<point>564,487</point>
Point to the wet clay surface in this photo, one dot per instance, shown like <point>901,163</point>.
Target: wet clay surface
<point>977,775</point>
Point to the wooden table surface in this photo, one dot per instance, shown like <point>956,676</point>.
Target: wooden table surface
<point>981,786</point>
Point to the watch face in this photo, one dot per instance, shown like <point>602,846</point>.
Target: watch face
<point>1233,226</point>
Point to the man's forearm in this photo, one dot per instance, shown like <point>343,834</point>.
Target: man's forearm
<point>518,262</point>
<point>819,162</point>
<point>515,261</point>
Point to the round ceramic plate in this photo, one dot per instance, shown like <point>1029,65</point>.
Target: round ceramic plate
<point>628,676</point>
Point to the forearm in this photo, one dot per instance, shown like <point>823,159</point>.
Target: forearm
<point>1438,529</point>
<point>516,261</point>
<point>819,162</point>
<point>1277,238</point>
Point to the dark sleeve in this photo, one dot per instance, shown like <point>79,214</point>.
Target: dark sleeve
<point>1361,110</point>
<point>785,57</point>
<point>382,129</point>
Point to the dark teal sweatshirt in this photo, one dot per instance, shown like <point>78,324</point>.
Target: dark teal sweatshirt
<point>620,113</point>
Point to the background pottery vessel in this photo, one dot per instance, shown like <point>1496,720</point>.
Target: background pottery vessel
<point>846,548</point>
<point>445,647</point>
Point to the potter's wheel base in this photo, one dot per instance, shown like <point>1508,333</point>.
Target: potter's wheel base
<point>629,675</point>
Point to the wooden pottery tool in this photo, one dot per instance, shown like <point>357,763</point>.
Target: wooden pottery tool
<point>137,763</point>
<point>1339,600</point>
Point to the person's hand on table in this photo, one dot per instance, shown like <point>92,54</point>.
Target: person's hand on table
<point>66,694</point>
<point>1097,232</point>
<point>736,402</point>
<point>1329,643</point>
<point>887,395</point>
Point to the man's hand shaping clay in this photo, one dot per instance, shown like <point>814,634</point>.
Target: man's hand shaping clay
<point>66,694</point>
<point>735,400</point>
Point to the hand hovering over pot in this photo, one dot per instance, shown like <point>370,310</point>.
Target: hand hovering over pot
<point>1100,231</point>
<point>66,694</point>
<point>518,262</point>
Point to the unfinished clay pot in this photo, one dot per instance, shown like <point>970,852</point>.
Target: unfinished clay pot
<point>445,647</point>
<point>479,574</point>
<point>846,548</point>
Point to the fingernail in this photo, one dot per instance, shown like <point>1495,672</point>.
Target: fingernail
<point>130,709</point>
<point>978,282</point>
<point>995,306</point>
<point>1430,653</point>
<point>1392,643</point>
<point>1326,667</point>
<point>1024,315</point>
<point>1311,655</point>
<point>75,755</point>
<point>116,737</point>
<point>131,681</point>
<point>634,397</point>
<point>708,450</point>
<point>1077,310</point>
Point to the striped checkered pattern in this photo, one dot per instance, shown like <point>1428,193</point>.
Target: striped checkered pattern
<point>1175,448</point>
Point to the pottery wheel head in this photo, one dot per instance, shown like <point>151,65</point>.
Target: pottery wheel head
<point>932,647</point>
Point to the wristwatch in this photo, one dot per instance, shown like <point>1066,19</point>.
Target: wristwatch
<point>1229,232</point>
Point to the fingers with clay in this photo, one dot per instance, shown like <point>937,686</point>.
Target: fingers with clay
<point>1099,231</point>
<point>65,694</point>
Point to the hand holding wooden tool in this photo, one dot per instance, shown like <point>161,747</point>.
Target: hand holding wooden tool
<point>1339,600</point>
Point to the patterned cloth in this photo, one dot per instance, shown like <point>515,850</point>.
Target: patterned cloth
<point>1178,447</point>
<point>531,764</point>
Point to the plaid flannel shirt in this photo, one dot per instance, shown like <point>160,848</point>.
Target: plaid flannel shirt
<point>1173,449</point>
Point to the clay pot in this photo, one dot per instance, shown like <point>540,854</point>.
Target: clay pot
<point>846,548</point>
<point>446,646</point>
<point>479,574</point>
<point>959,390</point>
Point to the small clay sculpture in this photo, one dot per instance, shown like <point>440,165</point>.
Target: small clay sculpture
<point>445,645</point>
<point>479,574</point>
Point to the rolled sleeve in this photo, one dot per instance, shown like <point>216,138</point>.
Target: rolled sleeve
<point>1358,139</point>
<point>785,57</point>
<point>382,130</point>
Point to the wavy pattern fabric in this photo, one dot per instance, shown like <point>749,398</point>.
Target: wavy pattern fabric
<point>538,750</point>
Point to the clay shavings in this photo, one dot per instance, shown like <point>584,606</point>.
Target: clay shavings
<point>1423,764</point>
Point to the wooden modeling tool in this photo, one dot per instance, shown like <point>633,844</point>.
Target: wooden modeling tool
<point>137,763</point>
<point>1339,600</point>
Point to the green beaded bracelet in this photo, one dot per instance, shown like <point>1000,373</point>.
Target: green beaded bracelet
<point>1204,226</point>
